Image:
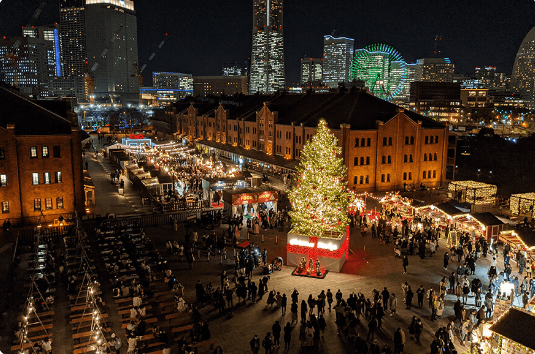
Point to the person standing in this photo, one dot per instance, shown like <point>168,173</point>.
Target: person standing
<point>293,310</point>
<point>255,344</point>
<point>372,326</point>
<point>287,336</point>
<point>284,301</point>
<point>408,299</point>
<point>276,328</point>
<point>116,343</point>
<point>393,304</point>
<point>405,263</point>
<point>267,343</point>
<point>386,296</point>
<point>303,311</point>
<point>418,327</point>
<point>329,298</point>
<point>399,341</point>
<point>446,260</point>
<point>420,294</point>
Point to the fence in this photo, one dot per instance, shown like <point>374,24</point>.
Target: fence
<point>26,236</point>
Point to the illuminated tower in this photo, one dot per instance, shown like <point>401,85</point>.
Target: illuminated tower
<point>267,55</point>
<point>111,35</point>
<point>73,47</point>
<point>337,56</point>
<point>522,78</point>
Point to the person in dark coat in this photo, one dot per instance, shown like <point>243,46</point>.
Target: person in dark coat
<point>405,263</point>
<point>408,298</point>
<point>287,336</point>
<point>372,326</point>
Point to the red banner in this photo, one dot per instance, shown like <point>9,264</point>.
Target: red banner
<point>136,136</point>
<point>268,196</point>
<point>239,199</point>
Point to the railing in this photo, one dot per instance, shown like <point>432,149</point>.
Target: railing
<point>26,236</point>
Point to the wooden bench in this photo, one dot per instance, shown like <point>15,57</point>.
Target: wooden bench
<point>148,320</point>
<point>40,328</point>
<point>37,338</point>
<point>206,343</point>
<point>176,315</point>
<point>127,311</point>
<point>182,329</point>
<point>88,333</point>
<point>14,348</point>
<point>87,318</point>
<point>84,306</point>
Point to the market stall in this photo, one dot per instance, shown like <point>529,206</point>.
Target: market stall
<point>472,192</point>
<point>522,203</point>
<point>249,200</point>
<point>511,333</point>
<point>401,207</point>
<point>521,239</point>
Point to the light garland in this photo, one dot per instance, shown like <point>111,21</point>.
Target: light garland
<point>522,203</point>
<point>476,192</point>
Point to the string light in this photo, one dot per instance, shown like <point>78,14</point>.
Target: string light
<point>475,192</point>
<point>522,203</point>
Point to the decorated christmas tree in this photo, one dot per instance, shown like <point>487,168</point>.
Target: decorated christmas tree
<point>320,199</point>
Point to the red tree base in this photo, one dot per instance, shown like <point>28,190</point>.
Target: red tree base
<point>311,275</point>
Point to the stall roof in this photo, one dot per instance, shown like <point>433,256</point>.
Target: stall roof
<point>213,181</point>
<point>165,178</point>
<point>449,209</point>
<point>487,219</point>
<point>508,326</point>
<point>527,235</point>
<point>262,188</point>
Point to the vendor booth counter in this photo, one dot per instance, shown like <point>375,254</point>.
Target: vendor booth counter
<point>331,251</point>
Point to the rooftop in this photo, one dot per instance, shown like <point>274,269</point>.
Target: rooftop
<point>508,326</point>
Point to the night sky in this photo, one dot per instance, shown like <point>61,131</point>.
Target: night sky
<point>203,34</point>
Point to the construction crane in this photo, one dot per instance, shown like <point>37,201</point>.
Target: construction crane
<point>138,72</point>
<point>12,54</point>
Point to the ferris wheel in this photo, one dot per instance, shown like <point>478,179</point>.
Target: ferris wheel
<point>382,69</point>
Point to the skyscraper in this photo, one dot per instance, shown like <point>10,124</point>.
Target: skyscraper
<point>524,68</point>
<point>311,70</point>
<point>111,41</point>
<point>73,46</point>
<point>337,56</point>
<point>435,70</point>
<point>267,55</point>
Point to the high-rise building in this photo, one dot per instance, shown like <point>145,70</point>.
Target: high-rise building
<point>267,55</point>
<point>111,42</point>
<point>435,70</point>
<point>219,85</point>
<point>438,100</point>
<point>311,70</point>
<point>73,49</point>
<point>524,68</point>
<point>233,68</point>
<point>337,56</point>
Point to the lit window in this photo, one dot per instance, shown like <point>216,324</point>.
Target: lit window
<point>37,204</point>
<point>5,207</point>
<point>59,203</point>
<point>3,180</point>
<point>35,178</point>
<point>48,203</point>
<point>45,151</point>
<point>47,177</point>
<point>33,152</point>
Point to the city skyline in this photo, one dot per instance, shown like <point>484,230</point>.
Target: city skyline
<point>472,36</point>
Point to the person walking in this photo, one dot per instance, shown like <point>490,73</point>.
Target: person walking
<point>293,310</point>
<point>329,298</point>
<point>303,311</point>
<point>446,260</point>
<point>267,343</point>
<point>386,296</point>
<point>399,341</point>
<point>405,263</point>
<point>372,326</point>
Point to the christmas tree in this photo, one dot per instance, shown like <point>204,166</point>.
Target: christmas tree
<point>320,199</point>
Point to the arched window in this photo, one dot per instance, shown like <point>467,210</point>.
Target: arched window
<point>362,142</point>
<point>383,160</point>
<point>389,159</point>
<point>412,140</point>
<point>405,158</point>
<point>425,174</point>
<point>384,141</point>
<point>382,178</point>
<point>367,179</point>
<point>427,140</point>
<point>369,142</point>
<point>356,161</point>
<point>436,139</point>
<point>410,158</point>
<point>406,140</point>
<point>390,141</point>
<point>362,160</point>
<point>430,157</point>
<point>404,176</point>
<point>357,142</point>
<point>367,160</point>
<point>435,156</point>
<point>425,158</point>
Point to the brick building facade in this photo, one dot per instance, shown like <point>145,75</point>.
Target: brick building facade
<point>384,147</point>
<point>40,162</point>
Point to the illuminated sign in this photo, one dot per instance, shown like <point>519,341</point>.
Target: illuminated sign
<point>136,136</point>
<point>253,198</point>
<point>328,246</point>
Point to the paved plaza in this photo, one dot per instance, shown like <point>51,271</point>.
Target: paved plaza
<point>370,266</point>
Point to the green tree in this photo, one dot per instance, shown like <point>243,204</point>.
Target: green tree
<point>320,199</point>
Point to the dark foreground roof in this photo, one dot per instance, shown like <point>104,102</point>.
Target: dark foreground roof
<point>356,107</point>
<point>487,219</point>
<point>28,117</point>
<point>526,234</point>
<point>517,325</point>
<point>449,209</point>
